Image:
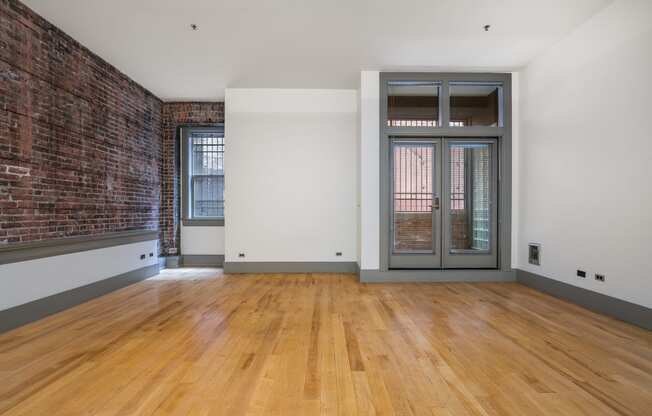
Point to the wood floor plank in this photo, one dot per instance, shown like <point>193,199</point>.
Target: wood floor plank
<point>198,342</point>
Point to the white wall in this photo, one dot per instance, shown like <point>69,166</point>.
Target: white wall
<point>291,182</point>
<point>369,170</point>
<point>202,240</point>
<point>585,155</point>
<point>27,281</point>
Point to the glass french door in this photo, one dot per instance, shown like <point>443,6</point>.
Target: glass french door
<point>415,188</point>
<point>443,203</point>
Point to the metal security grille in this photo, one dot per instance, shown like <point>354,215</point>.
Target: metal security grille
<point>413,178</point>
<point>413,192</point>
<point>457,178</point>
<point>207,175</point>
<point>411,123</point>
<point>469,196</point>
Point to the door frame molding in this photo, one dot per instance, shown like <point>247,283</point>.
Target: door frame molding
<point>502,134</point>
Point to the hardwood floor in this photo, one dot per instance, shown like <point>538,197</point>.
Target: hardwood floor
<point>194,342</point>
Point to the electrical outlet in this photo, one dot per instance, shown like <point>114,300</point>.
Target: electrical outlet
<point>599,277</point>
<point>581,273</point>
<point>151,254</point>
<point>241,254</point>
<point>338,254</point>
<point>534,254</point>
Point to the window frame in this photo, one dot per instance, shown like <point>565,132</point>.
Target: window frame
<point>185,154</point>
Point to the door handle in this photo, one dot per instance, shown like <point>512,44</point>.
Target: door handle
<point>435,205</point>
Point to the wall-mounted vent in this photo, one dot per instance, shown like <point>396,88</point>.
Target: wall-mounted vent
<point>534,254</point>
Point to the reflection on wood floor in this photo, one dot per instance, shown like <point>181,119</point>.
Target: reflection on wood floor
<point>196,342</point>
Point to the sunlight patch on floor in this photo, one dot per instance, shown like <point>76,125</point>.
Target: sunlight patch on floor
<point>189,273</point>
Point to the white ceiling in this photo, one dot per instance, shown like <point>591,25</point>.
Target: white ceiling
<point>307,43</point>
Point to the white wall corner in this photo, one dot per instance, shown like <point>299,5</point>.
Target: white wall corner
<point>369,114</point>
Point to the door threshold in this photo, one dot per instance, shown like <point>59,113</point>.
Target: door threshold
<point>438,275</point>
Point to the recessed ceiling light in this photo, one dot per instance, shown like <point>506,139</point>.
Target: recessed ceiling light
<point>487,27</point>
<point>194,26</point>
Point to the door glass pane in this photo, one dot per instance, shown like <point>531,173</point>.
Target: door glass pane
<point>412,197</point>
<point>412,104</point>
<point>475,104</point>
<point>470,196</point>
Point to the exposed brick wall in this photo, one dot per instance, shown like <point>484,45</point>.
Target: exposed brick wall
<point>413,231</point>
<point>80,143</point>
<point>460,232</point>
<point>175,115</point>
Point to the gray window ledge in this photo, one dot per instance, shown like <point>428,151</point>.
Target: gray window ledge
<point>17,252</point>
<point>195,222</point>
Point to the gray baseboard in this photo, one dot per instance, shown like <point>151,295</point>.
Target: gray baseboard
<point>202,260</point>
<point>38,309</point>
<point>415,276</point>
<point>290,267</point>
<point>625,311</point>
<point>172,262</point>
<point>162,263</point>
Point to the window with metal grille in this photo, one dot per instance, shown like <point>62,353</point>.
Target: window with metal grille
<point>206,180</point>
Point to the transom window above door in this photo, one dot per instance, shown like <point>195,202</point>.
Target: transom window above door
<point>444,102</point>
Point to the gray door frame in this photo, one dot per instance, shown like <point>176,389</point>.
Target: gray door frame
<point>503,135</point>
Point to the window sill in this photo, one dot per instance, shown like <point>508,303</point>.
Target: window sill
<point>194,222</point>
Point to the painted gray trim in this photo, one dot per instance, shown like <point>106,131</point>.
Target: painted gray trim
<point>202,260</point>
<point>172,262</point>
<point>616,308</point>
<point>15,253</point>
<point>184,143</point>
<point>289,267</point>
<point>196,222</point>
<point>39,309</point>
<point>412,276</point>
<point>504,134</point>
